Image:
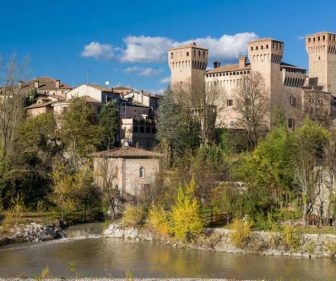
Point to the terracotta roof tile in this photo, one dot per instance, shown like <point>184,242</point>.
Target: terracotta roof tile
<point>228,68</point>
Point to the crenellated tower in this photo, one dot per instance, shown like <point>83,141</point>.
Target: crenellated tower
<point>265,56</point>
<point>321,49</point>
<point>187,65</point>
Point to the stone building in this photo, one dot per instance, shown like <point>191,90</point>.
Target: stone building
<point>287,87</point>
<point>44,86</point>
<point>131,171</point>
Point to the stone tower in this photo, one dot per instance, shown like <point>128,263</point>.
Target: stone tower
<point>265,56</point>
<point>321,49</point>
<point>187,66</point>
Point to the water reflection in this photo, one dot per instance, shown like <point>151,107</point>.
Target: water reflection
<point>99,257</point>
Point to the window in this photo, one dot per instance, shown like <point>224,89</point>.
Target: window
<point>142,129</point>
<point>291,123</point>
<point>187,54</point>
<point>171,55</point>
<point>292,101</point>
<point>229,102</point>
<point>135,129</point>
<point>142,172</point>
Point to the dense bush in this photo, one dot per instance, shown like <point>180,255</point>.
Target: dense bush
<point>160,220</point>
<point>241,232</point>
<point>133,216</point>
<point>291,237</point>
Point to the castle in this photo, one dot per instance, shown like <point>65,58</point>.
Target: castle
<point>287,87</point>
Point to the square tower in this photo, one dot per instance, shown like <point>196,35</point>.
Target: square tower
<point>187,66</point>
<point>265,56</point>
<point>321,49</point>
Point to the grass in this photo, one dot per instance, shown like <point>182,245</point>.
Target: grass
<point>317,230</point>
<point>47,217</point>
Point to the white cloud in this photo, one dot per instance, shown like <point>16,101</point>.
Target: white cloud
<point>165,80</point>
<point>98,51</point>
<point>147,49</point>
<point>300,37</point>
<point>158,91</point>
<point>154,49</point>
<point>143,71</point>
<point>227,47</point>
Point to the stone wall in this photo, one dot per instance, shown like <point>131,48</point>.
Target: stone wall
<point>220,240</point>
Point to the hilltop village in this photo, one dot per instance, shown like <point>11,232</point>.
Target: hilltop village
<point>247,146</point>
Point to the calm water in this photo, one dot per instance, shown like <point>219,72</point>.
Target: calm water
<point>98,257</point>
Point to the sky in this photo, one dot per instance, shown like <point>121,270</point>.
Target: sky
<point>126,42</point>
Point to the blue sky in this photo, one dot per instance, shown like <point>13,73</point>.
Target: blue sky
<point>125,42</point>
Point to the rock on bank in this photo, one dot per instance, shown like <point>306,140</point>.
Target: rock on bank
<point>32,232</point>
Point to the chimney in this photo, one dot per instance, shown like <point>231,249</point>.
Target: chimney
<point>242,62</point>
<point>216,64</point>
<point>58,83</point>
<point>36,84</point>
<point>20,84</point>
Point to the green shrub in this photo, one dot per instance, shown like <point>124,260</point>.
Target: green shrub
<point>13,215</point>
<point>133,216</point>
<point>160,220</point>
<point>241,232</point>
<point>291,237</point>
<point>310,247</point>
<point>331,248</point>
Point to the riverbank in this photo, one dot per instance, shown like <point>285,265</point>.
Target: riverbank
<point>221,240</point>
<point>31,232</point>
<point>123,279</point>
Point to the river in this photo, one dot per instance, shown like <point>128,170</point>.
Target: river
<point>85,253</point>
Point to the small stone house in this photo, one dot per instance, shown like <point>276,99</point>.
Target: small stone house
<point>130,170</point>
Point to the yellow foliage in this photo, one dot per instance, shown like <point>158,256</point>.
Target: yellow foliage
<point>187,223</point>
<point>159,220</point>
<point>291,237</point>
<point>133,216</point>
<point>241,232</point>
<point>13,215</point>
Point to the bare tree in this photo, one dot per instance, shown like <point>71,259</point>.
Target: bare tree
<point>205,104</point>
<point>105,173</point>
<point>252,103</point>
<point>11,103</point>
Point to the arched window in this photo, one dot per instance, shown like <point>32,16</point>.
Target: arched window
<point>142,172</point>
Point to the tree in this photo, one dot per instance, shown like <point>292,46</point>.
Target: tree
<point>80,133</point>
<point>107,175</point>
<point>268,173</point>
<point>11,104</point>
<point>28,171</point>
<point>311,141</point>
<point>74,190</point>
<point>208,167</point>
<point>253,107</point>
<point>187,223</point>
<point>109,123</point>
<point>176,129</point>
<point>204,104</point>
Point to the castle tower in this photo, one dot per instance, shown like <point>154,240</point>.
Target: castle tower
<point>321,49</point>
<point>187,65</point>
<point>265,56</point>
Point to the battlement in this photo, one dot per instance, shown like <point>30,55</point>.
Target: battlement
<point>265,50</point>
